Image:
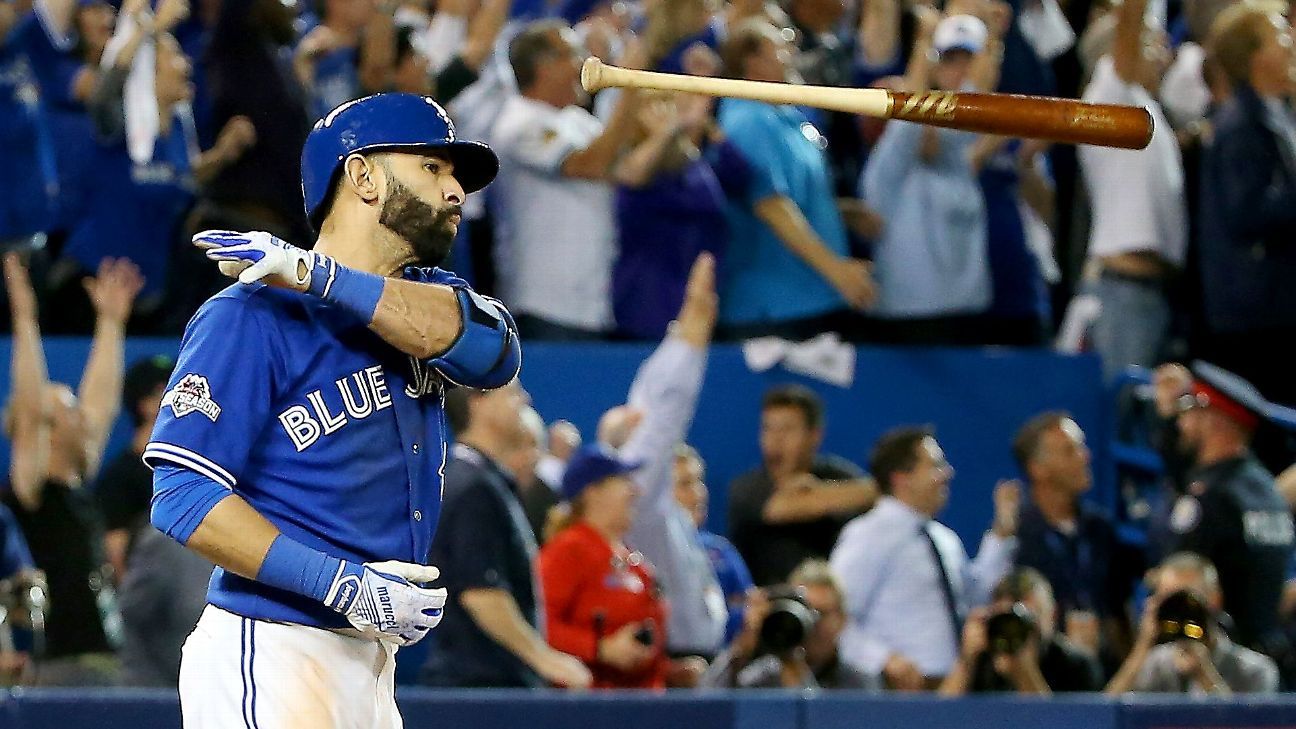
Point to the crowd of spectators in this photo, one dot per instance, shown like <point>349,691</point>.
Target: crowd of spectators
<point>140,123</point>
<point>671,218</point>
<point>587,565</point>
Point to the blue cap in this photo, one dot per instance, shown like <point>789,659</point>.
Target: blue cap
<point>591,464</point>
<point>386,122</point>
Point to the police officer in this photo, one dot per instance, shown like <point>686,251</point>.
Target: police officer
<point>1229,510</point>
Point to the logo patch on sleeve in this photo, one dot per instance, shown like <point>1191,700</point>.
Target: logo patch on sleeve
<point>192,394</point>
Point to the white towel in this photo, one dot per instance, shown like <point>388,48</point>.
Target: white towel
<point>140,94</point>
<point>825,357</point>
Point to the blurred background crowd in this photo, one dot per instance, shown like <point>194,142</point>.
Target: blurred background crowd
<point>131,127</point>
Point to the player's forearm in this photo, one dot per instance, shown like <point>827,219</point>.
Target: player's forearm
<point>421,320</point>
<point>497,614</point>
<point>234,536</point>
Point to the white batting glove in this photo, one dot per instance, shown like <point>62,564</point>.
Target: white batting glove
<point>256,255</point>
<point>383,600</point>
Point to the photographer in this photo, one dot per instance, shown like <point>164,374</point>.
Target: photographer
<point>789,638</point>
<point>1181,647</point>
<point>1013,646</point>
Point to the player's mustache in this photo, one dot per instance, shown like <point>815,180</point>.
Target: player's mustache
<point>444,213</point>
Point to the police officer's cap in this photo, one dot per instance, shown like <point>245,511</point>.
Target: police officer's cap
<point>1236,398</point>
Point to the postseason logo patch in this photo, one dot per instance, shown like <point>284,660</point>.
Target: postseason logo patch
<point>192,394</point>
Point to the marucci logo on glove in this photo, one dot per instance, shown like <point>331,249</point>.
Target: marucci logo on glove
<point>192,394</point>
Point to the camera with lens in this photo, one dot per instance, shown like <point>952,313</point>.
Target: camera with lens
<point>1183,615</point>
<point>789,622</point>
<point>1008,630</point>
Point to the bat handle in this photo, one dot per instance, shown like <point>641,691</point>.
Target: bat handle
<point>591,76</point>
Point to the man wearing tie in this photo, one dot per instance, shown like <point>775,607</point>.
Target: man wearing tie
<point>908,580</point>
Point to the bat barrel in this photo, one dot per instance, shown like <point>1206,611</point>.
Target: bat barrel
<point>1057,120</point>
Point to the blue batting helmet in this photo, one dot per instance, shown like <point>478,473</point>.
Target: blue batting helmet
<point>386,122</point>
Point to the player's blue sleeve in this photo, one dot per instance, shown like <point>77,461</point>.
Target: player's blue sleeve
<point>14,554</point>
<point>487,353</point>
<point>220,395</point>
<point>181,500</point>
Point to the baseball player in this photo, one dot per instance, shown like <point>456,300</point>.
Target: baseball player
<point>302,436</point>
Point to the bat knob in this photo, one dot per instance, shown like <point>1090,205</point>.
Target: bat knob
<point>592,74</point>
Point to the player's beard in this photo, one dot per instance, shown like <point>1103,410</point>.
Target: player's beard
<point>427,230</point>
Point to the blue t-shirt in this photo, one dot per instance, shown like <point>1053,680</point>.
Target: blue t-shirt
<point>14,554</point>
<point>134,211</point>
<point>763,280</point>
<point>734,578</point>
<point>28,208</point>
<point>331,434</point>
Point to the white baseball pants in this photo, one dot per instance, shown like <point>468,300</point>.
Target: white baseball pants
<point>239,673</point>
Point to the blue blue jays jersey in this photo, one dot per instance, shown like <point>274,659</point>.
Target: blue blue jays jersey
<point>331,434</point>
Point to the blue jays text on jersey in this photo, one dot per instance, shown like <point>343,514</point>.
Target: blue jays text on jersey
<point>331,434</point>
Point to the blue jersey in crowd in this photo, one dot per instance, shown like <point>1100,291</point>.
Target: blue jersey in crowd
<point>331,434</point>
<point>25,209</point>
<point>134,211</point>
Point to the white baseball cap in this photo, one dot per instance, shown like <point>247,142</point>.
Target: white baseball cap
<point>960,33</point>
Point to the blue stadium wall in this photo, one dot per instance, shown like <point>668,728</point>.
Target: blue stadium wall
<point>431,709</point>
<point>975,398</point>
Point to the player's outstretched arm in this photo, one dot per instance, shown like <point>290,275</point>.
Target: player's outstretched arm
<point>382,600</point>
<point>470,338</point>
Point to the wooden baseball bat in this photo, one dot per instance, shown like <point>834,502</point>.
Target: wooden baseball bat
<point>1040,117</point>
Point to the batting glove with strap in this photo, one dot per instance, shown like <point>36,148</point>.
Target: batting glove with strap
<point>252,256</point>
<point>259,256</point>
<point>383,600</point>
